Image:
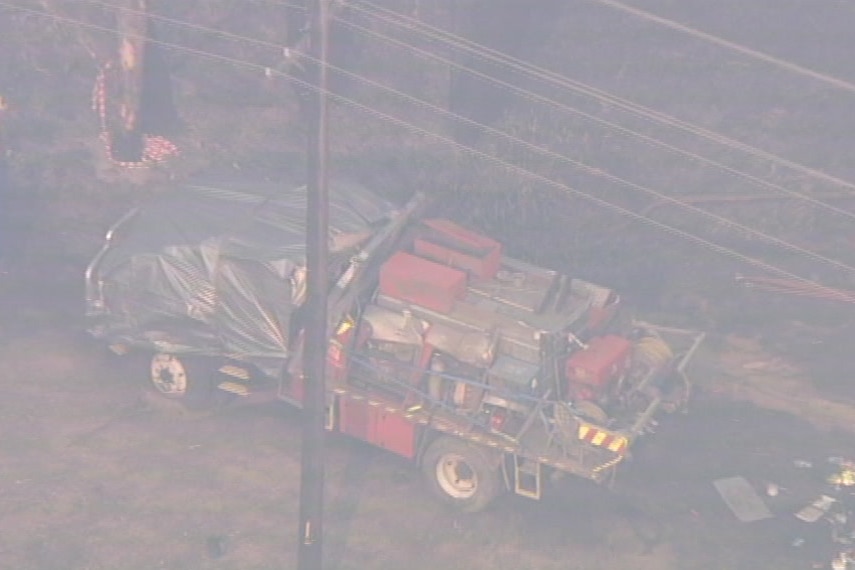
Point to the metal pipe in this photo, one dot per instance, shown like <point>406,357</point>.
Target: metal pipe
<point>663,329</point>
<point>691,352</point>
<point>95,294</point>
<point>639,425</point>
<point>399,220</point>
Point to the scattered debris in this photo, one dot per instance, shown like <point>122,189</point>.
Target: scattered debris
<point>844,561</point>
<point>744,344</point>
<point>816,510</point>
<point>217,545</point>
<point>772,365</point>
<point>843,478</point>
<point>742,499</point>
<point>845,475</point>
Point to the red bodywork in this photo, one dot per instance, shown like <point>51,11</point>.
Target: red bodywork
<point>591,371</point>
<point>422,282</point>
<point>435,275</point>
<point>599,317</point>
<point>359,419</point>
<point>459,247</point>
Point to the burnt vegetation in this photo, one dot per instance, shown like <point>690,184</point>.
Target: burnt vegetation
<point>238,116</point>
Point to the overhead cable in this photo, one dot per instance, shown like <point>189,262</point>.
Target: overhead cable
<point>620,210</point>
<point>485,53</point>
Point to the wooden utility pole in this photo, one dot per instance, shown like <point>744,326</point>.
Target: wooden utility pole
<point>310,547</point>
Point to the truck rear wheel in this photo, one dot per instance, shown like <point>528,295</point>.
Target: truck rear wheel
<point>462,475</point>
<point>187,380</point>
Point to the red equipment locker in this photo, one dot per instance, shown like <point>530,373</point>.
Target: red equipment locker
<point>395,434</point>
<point>422,282</point>
<point>605,358</point>
<point>462,248</point>
<point>359,419</point>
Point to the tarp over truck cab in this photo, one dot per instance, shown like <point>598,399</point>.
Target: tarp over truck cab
<point>219,269</point>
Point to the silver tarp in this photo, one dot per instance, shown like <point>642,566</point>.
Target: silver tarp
<point>220,269</point>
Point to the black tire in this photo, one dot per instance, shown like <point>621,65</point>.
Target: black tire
<point>188,380</point>
<point>463,476</point>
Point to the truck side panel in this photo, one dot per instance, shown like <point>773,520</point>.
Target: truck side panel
<point>373,424</point>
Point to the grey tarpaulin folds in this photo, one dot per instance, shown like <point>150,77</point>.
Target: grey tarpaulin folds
<point>220,269</point>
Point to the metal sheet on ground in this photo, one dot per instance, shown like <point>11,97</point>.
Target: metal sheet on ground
<point>742,499</point>
<point>816,510</point>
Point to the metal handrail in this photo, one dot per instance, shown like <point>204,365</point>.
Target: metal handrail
<point>95,294</point>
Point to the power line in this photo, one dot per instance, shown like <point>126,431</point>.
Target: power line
<point>712,246</point>
<point>733,46</point>
<point>598,172</point>
<point>543,151</point>
<point>495,56</point>
<point>200,27</point>
<point>608,124</point>
<point>459,118</point>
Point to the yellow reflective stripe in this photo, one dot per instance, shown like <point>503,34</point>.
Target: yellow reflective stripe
<point>599,438</point>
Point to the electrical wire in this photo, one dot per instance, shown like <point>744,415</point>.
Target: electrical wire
<point>487,129</point>
<point>530,95</point>
<point>733,46</point>
<point>526,93</point>
<point>712,246</point>
<point>488,54</point>
<point>283,3</point>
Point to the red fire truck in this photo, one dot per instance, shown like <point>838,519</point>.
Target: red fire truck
<point>487,372</point>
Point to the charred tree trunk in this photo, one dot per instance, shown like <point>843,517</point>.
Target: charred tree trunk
<point>126,128</point>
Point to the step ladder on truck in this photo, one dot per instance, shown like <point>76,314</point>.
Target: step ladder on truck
<point>489,373</point>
